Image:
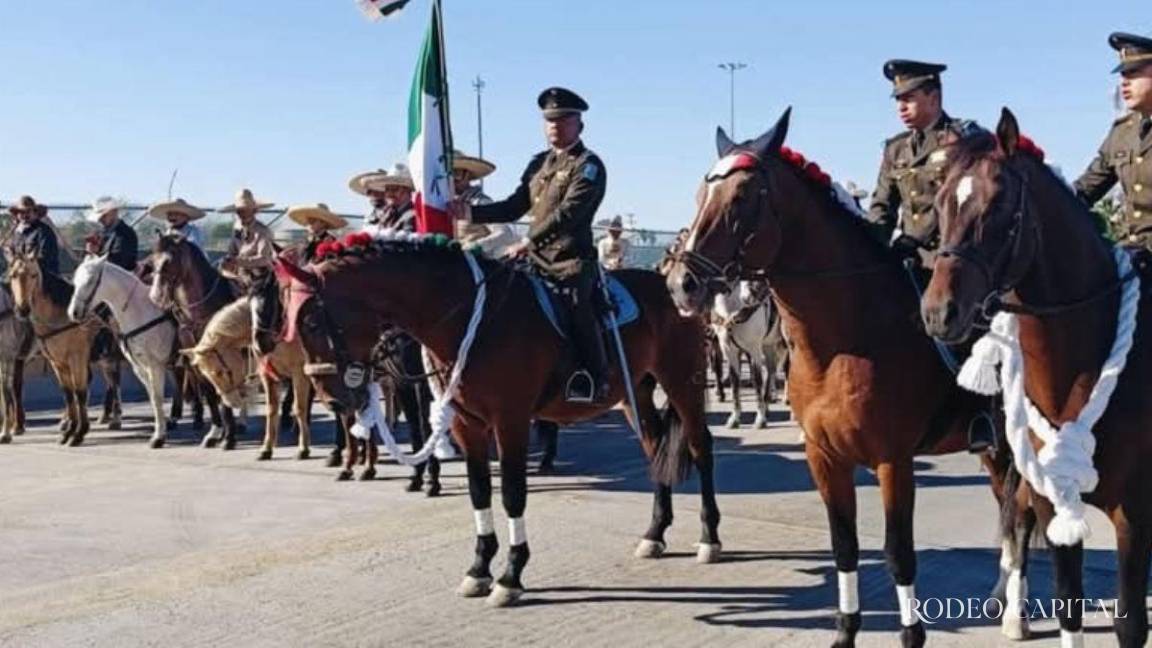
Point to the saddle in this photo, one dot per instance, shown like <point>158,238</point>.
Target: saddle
<point>556,309</point>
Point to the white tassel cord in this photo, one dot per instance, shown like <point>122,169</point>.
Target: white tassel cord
<point>1062,469</point>
<point>442,412</point>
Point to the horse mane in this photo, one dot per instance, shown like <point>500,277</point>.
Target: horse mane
<point>228,324</point>
<point>58,289</point>
<point>977,156</point>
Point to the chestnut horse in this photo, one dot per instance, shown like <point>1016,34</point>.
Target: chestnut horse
<point>515,372</point>
<point>1013,234</point>
<point>865,382</point>
<point>185,281</point>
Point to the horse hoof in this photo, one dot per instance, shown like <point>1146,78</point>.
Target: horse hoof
<point>1014,627</point>
<point>18,432</point>
<point>104,419</point>
<point>230,444</point>
<point>156,444</point>
<point>473,587</point>
<point>345,475</point>
<point>503,596</point>
<point>649,549</point>
<point>115,425</point>
<point>434,489</point>
<point>75,441</point>
<point>547,467</point>
<point>303,454</point>
<point>707,553</point>
<point>64,438</point>
<point>913,636</point>
<point>265,455</point>
<point>209,442</point>
<point>63,425</point>
<point>414,485</point>
<point>334,460</point>
<point>368,475</point>
<point>5,439</point>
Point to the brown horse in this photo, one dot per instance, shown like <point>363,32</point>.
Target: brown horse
<point>43,299</point>
<point>428,289</point>
<point>858,354</point>
<point>15,345</point>
<point>185,281</point>
<point>1013,234</point>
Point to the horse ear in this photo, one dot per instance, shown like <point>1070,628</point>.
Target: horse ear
<point>724,144</point>
<point>286,268</point>
<point>1008,132</point>
<point>769,143</point>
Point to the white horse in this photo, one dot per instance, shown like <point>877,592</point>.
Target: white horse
<point>147,332</point>
<point>745,324</point>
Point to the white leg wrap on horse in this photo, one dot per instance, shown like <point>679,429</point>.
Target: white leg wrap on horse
<point>849,591</point>
<point>1070,639</point>
<point>906,594</point>
<point>484,524</point>
<point>1014,622</point>
<point>517,534</point>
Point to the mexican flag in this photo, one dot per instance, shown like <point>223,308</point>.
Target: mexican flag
<point>378,9</point>
<point>430,134</point>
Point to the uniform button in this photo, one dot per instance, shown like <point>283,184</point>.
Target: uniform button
<point>1131,238</point>
<point>1139,160</point>
<point>913,192</point>
<point>915,217</point>
<point>1137,214</point>
<point>1139,187</point>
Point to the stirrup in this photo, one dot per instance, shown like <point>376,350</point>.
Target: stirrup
<point>979,443</point>
<point>580,388</point>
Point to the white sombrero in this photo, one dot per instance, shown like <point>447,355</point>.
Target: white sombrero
<point>101,206</point>
<point>244,200</point>
<point>161,210</point>
<point>476,167</point>
<point>319,212</point>
<point>397,176</point>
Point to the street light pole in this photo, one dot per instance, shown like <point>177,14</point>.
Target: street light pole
<point>478,85</point>
<point>732,68</point>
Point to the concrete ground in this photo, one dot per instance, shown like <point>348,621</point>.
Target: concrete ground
<point>113,544</point>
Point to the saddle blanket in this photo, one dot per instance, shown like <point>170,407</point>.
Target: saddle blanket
<point>625,305</point>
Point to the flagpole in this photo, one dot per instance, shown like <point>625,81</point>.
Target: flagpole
<point>449,148</point>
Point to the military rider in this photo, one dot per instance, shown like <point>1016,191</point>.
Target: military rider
<point>911,172</point>
<point>561,189</point>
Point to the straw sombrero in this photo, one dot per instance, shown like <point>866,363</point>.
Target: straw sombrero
<point>301,214</point>
<point>244,200</point>
<point>160,210</point>
<point>476,167</point>
<point>397,176</point>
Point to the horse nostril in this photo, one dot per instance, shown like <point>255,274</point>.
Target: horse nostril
<point>689,284</point>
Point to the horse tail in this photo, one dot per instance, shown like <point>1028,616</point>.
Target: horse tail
<point>672,460</point>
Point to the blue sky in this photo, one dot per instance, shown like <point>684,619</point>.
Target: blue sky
<point>293,97</point>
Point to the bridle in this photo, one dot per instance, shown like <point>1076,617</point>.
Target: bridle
<point>86,303</point>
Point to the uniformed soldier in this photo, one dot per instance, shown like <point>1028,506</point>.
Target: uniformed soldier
<point>911,172</point>
<point>390,193</point>
<point>912,168</point>
<point>1126,154</point>
<point>116,239</point>
<point>252,252</point>
<point>561,189</point>
<point>33,236</point>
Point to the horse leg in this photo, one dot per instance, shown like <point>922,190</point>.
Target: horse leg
<point>340,441</point>
<point>177,396</point>
<point>758,369</point>
<point>686,411</point>
<point>547,433</point>
<point>352,445</point>
<point>1018,521</point>
<point>272,418</point>
<point>652,544</point>
<point>474,442</point>
<point>732,355</point>
<point>898,492</point>
<point>112,407</point>
<point>231,426</point>
<point>6,402</point>
<point>18,395</point>
<point>406,394</point>
<point>155,383</point>
<point>201,394</point>
<point>424,398</point>
<point>834,480</point>
<point>512,440</point>
<point>716,359</point>
<point>1133,522</point>
<point>302,404</point>
<point>216,432</point>
<point>66,428</point>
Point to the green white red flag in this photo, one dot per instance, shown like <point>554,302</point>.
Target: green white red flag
<point>430,133</point>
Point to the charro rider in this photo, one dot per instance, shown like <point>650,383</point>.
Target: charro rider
<point>911,171</point>
<point>251,253</point>
<point>561,189</point>
<point>613,247</point>
<point>320,222</point>
<point>33,236</point>
<point>494,239</point>
<point>116,239</point>
<point>390,193</point>
<point>1126,154</point>
<point>179,216</point>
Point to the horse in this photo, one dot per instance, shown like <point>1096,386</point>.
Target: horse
<point>15,344</point>
<point>147,334</point>
<point>222,355</point>
<point>437,292</point>
<point>1015,239</point>
<point>183,280</point>
<point>42,298</point>
<point>746,324</point>
<point>857,351</point>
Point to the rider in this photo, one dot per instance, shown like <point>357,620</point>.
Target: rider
<point>319,221</point>
<point>561,189</point>
<point>33,235</point>
<point>911,172</point>
<point>179,216</point>
<point>1126,154</point>
<point>492,240</point>
<point>116,239</point>
<point>614,248</point>
<point>251,253</point>
<point>390,194</point>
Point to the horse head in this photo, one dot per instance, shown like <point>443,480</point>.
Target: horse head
<point>87,279</point>
<point>171,263</point>
<point>728,226</point>
<point>26,282</point>
<point>988,233</point>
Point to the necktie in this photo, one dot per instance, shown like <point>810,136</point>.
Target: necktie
<point>917,142</point>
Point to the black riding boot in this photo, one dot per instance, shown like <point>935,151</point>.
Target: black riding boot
<point>589,384</point>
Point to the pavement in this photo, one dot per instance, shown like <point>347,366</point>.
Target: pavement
<point>113,544</point>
